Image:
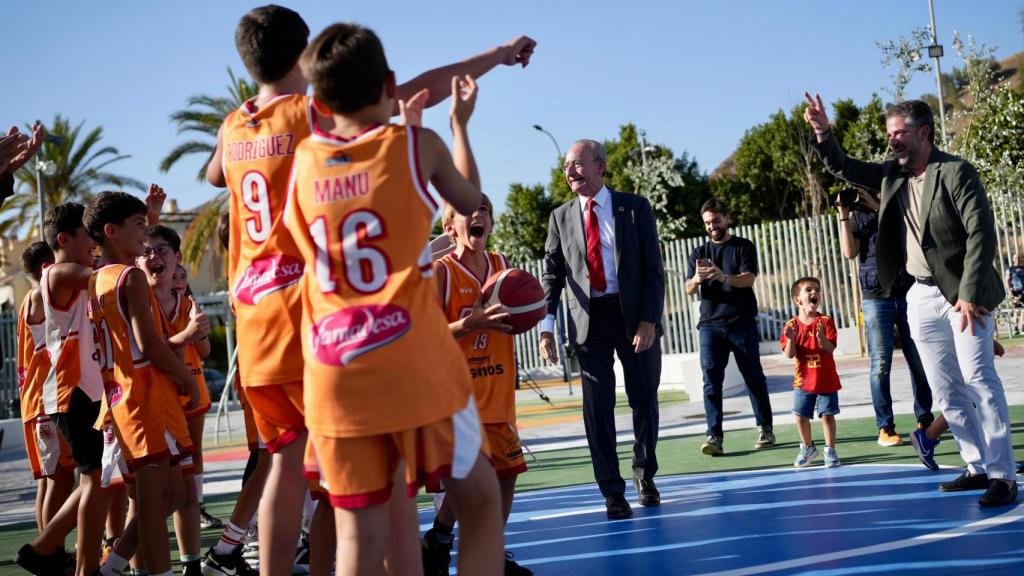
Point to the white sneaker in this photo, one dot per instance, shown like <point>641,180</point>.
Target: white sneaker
<point>806,455</point>
<point>831,458</point>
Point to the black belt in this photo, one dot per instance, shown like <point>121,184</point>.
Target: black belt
<point>926,280</point>
<point>606,299</point>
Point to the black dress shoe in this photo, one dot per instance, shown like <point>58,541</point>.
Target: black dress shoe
<point>617,507</point>
<point>965,481</point>
<point>36,563</point>
<point>647,493</point>
<point>999,493</point>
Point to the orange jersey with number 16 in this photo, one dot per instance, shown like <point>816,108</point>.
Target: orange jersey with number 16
<point>379,355</point>
<point>264,265</point>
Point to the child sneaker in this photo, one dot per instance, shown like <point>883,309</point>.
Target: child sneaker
<point>807,454</point>
<point>831,458</point>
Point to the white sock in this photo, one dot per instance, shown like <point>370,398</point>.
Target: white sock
<point>229,539</point>
<point>199,488</point>
<point>308,509</point>
<point>114,565</point>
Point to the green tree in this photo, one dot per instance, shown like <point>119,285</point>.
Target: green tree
<point>905,54</point>
<point>520,231</point>
<point>202,119</point>
<point>81,162</point>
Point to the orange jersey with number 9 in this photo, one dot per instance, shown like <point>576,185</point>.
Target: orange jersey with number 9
<point>264,264</point>
<point>379,355</point>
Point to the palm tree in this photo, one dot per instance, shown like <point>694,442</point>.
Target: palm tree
<point>203,117</point>
<point>80,162</point>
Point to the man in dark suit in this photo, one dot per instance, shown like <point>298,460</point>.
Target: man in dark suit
<point>603,245</point>
<point>936,223</point>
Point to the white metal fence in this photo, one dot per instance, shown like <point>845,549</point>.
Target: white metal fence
<point>786,251</point>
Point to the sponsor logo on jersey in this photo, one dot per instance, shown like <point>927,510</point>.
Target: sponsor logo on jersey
<point>114,392</point>
<point>349,333</point>
<point>22,377</point>
<point>266,275</point>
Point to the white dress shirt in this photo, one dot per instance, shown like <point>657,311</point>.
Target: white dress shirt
<point>606,224</point>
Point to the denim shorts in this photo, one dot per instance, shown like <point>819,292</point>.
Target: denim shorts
<point>805,403</point>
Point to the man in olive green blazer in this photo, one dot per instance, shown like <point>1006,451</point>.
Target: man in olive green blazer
<point>935,222</point>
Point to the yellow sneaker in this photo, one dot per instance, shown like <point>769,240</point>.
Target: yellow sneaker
<point>886,439</point>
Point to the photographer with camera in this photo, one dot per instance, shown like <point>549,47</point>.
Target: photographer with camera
<point>722,271</point>
<point>882,309</point>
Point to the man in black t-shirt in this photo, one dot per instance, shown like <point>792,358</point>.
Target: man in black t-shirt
<point>722,271</point>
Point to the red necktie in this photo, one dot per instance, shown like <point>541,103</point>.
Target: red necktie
<point>594,263</point>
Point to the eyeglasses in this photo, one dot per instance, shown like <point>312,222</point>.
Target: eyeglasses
<point>575,165</point>
<point>159,250</point>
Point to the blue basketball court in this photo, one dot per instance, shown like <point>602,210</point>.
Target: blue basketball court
<point>861,519</point>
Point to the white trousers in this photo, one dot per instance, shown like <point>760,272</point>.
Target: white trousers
<point>962,375</point>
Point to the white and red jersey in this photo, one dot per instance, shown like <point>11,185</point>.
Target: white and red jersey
<point>71,345</point>
<point>490,354</point>
<point>379,355</point>
<point>264,265</point>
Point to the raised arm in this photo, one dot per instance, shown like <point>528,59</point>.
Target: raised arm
<point>464,91</point>
<point>859,173</point>
<point>437,166</point>
<point>516,51</point>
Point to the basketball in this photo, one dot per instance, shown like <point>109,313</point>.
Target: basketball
<point>521,295</point>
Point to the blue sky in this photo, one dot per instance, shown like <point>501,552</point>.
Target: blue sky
<point>694,74</point>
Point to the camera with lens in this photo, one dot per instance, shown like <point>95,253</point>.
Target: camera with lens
<point>848,197</point>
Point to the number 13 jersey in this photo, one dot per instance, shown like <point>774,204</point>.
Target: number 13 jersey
<point>264,264</point>
<point>379,356</point>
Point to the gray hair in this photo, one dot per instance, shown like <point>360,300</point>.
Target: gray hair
<point>595,148</point>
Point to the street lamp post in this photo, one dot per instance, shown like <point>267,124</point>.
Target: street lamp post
<point>44,168</point>
<point>935,52</point>
<point>558,148</point>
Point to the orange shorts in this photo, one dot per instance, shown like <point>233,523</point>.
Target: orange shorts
<point>252,435</point>
<point>46,448</point>
<point>148,419</point>
<point>278,413</point>
<point>506,449</point>
<point>203,404</point>
<point>357,472</point>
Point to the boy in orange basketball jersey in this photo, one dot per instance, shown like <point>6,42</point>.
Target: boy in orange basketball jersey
<point>138,367</point>
<point>254,156</point>
<point>360,212</point>
<point>490,353</point>
<point>71,394</point>
<point>48,454</point>
<point>189,329</point>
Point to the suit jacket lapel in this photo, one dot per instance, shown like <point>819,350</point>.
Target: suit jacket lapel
<point>931,180</point>
<point>578,236</point>
<point>619,216</point>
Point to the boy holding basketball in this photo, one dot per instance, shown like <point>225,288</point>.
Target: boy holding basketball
<point>811,339</point>
<point>490,352</point>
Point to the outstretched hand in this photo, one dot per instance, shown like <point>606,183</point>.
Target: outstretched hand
<point>411,112</point>
<point>518,51</point>
<point>154,203</point>
<point>17,147</point>
<point>815,114</point>
<point>464,91</point>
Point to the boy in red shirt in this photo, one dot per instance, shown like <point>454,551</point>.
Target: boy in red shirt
<point>811,338</point>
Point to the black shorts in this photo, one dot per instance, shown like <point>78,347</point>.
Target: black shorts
<point>76,425</point>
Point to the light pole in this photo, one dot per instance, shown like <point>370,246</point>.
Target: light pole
<point>538,128</point>
<point>935,52</point>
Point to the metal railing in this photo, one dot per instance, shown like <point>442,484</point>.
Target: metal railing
<point>786,250</point>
